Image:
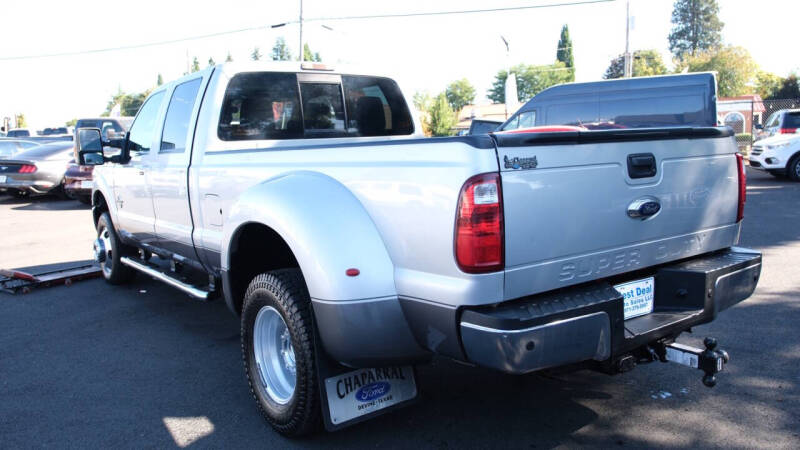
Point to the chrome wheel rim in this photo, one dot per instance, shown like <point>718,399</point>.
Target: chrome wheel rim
<point>274,353</point>
<point>105,238</point>
<point>797,169</point>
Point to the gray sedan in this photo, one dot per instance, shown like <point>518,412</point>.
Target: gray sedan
<point>39,170</point>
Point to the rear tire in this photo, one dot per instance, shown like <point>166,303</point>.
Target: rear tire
<point>277,308</point>
<point>113,270</point>
<point>793,168</point>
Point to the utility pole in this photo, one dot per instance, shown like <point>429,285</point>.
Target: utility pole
<point>628,61</point>
<point>300,49</point>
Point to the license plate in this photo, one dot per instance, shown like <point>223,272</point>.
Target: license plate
<point>86,184</point>
<point>2,178</point>
<point>637,296</point>
<point>361,392</point>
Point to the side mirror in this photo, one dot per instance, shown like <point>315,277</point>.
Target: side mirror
<point>89,143</point>
<point>759,126</point>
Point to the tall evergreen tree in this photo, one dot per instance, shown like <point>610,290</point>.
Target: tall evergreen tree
<point>255,55</point>
<point>229,58</point>
<point>211,62</point>
<point>195,65</point>
<point>564,51</point>
<point>309,56</point>
<point>695,27</point>
<point>280,51</point>
<point>160,80</point>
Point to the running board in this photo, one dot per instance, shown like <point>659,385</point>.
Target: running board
<point>188,288</point>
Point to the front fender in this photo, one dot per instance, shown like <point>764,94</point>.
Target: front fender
<point>327,229</point>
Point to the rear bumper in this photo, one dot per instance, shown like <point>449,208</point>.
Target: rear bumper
<point>586,323</point>
<point>33,185</point>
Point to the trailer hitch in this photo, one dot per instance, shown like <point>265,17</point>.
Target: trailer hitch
<point>711,360</point>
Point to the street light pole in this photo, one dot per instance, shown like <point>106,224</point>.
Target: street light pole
<point>628,69</point>
<point>300,49</point>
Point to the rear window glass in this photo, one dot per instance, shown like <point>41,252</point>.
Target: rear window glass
<point>46,150</point>
<point>272,106</point>
<point>646,112</point>
<point>791,120</point>
<point>375,107</point>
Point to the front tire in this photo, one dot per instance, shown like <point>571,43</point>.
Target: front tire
<point>793,168</point>
<point>113,270</point>
<point>278,352</point>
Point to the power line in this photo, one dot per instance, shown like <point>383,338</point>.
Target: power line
<point>470,11</point>
<point>312,19</point>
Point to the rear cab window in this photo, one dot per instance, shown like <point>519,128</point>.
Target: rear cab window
<point>268,105</point>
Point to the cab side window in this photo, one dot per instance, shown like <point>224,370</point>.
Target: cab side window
<point>141,133</point>
<point>179,112</point>
<point>375,107</point>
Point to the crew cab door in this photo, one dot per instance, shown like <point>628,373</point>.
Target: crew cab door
<point>135,215</point>
<point>168,175</point>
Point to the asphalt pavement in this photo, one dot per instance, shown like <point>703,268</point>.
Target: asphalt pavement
<point>91,365</point>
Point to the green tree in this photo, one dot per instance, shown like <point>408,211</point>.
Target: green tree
<point>129,103</point>
<point>21,122</point>
<point>229,58</point>
<point>441,118</point>
<point>309,56</point>
<point>70,123</point>
<point>195,65</point>
<point>459,93</point>
<point>280,51</point>
<point>789,88</point>
<point>255,55</point>
<point>767,84</point>
<point>422,101</point>
<point>159,80</point>
<point>695,27</point>
<point>564,51</point>
<point>530,80</point>
<point>735,68</point>
<point>645,63</point>
<point>211,62</point>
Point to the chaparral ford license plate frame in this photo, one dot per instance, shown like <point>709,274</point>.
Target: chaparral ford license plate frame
<point>638,297</point>
<point>358,395</point>
<point>3,178</point>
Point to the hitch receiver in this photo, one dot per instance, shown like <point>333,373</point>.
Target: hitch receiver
<point>711,361</point>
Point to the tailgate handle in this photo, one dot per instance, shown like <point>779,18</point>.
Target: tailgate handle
<point>641,165</point>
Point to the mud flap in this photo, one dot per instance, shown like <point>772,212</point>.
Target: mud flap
<point>349,396</point>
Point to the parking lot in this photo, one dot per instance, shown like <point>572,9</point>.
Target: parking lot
<point>142,365</point>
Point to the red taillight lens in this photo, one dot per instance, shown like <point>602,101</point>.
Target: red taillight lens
<point>787,130</point>
<point>27,168</point>
<point>479,225</point>
<point>742,187</point>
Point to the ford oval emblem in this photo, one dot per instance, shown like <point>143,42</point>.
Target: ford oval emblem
<point>372,391</point>
<point>644,208</point>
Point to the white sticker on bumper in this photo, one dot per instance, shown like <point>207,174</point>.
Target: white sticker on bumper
<point>355,394</point>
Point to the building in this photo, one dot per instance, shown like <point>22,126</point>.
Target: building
<point>491,111</point>
<point>740,113</point>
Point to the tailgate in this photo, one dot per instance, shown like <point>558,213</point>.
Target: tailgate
<point>566,201</point>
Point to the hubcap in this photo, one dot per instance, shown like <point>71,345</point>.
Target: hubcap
<point>274,354</point>
<point>797,169</point>
<point>102,251</point>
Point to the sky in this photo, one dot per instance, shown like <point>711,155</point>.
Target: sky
<point>422,53</point>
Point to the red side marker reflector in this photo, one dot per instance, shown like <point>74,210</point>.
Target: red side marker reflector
<point>352,272</point>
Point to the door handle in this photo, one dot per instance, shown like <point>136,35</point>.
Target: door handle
<point>641,165</point>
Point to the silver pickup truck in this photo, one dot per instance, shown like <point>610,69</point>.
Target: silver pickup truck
<point>353,248</point>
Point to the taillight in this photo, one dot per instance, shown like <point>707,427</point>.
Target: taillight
<point>479,225</point>
<point>27,168</point>
<point>787,130</point>
<point>742,187</point>
<point>85,169</point>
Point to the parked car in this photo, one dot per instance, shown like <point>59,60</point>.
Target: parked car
<point>111,127</point>
<point>778,155</point>
<point>483,126</point>
<point>39,170</point>
<point>10,147</point>
<point>784,121</point>
<point>78,182</point>
<point>688,100</point>
<point>54,131</point>
<point>352,247</point>
<point>19,132</point>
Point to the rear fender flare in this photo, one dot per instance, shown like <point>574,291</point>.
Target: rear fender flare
<point>327,229</point>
